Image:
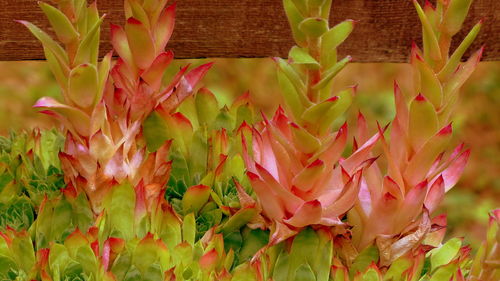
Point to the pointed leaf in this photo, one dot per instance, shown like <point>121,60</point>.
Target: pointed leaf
<point>423,121</point>
<point>164,27</point>
<point>140,42</point>
<point>313,27</point>
<point>195,198</point>
<point>455,15</point>
<point>331,72</point>
<point>301,56</point>
<point>61,24</point>
<point>455,58</point>
<point>83,85</point>
<point>294,19</point>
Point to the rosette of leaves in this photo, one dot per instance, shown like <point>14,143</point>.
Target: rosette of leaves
<point>420,164</point>
<point>307,257</point>
<point>205,157</point>
<point>17,256</point>
<point>29,171</point>
<point>306,77</point>
<point>59,216</point>
<point>485,264</point>
<point>105,103</point>
<point>97,255</point>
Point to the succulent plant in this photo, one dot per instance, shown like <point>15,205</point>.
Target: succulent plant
<point>420,168</point>
<point>103,108</point>
<point>301,180</point>
<point>29,171</point>
<point>306,77</point>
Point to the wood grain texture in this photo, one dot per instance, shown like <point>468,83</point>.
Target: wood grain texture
<point>258,28</point>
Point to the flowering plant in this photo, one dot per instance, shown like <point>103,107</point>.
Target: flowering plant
<point>153,180</point>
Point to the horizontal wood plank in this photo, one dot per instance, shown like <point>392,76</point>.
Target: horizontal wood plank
<point>258,28</point>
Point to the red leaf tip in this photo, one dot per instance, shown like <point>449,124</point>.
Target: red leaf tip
<point>133,20</point>
<point>420,97</point>
<point>446,130</point>
<point>252,176</point>
<point>332,99</point>
<point>317,162</point>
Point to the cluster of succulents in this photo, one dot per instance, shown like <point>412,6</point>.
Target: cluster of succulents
<point>156,180</point>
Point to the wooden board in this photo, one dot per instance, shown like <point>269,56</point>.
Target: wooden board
<point>258,28</point>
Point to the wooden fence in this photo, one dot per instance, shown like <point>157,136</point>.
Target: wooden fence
<point>258,28</point>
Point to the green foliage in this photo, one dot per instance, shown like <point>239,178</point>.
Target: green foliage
<point>29,171</point>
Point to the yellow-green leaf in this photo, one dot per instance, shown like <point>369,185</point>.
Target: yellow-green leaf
<point>83,86</point>
<point>60,23</point>
<point>313,27</point>
<point>423,122</point>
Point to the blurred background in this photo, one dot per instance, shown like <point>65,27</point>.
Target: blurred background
<point>476,122</point>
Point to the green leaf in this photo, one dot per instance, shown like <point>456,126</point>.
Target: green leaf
<point>139,13</point>
<point>431,86</point>
<point>455,58</point>
<point>253,240</point>
<point>292,76</point>
<point>60,23</point>
<point>343,103</point>
<point>140,42</point>
<point>423,122</point>
<point>325,10</point>
<point>233,241</point>
<point>315,114</point>
<point>336,35</point>
<point>83,85</point>
<point>145,253</point>
<point>82,215</point>
<point>282,267</point>
<point>304,250</point>
<point>207,106</point>
<point>396,269</point>
<point>223,120</point>
<point>153,273</point>
<point>431,45</point>
<point>445,254</point>
<point>294,19</point>
<point>120,204</point>
<point>371,275</point>
<point>314,27</point>
<point>103,74</point>
<point>293,99</point>
<point>88,49</point>
<point>455,15</point>
<point>239,219</point>
<point>85,256</point>
<point>198,152</point>
<point>304,273</point>
<point>444,272</point>
<point>323,260</point>
<point>244,272</point>
<point>364,259</point>
<point>155,132</point>
<point>331,72</point>
<point>50,45</point>
<point>61,221</point>
<point>194,198</point>
<point>59,257</point>
<point>189,229</point>
<point>133,274</point>
<point>122,263</point>
<point>18,214</point>
<point>22,246</point>
<point>301,56</point>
